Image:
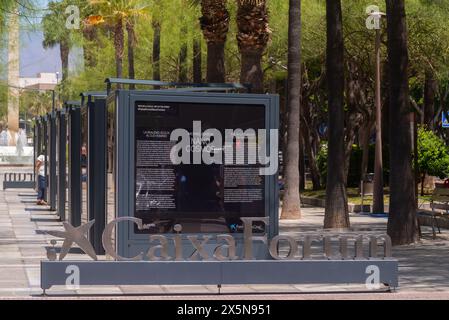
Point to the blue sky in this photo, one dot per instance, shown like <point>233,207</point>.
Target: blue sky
<point>33,57</point>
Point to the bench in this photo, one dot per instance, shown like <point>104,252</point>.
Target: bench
<point>439,201</point>
<point>20,180</point>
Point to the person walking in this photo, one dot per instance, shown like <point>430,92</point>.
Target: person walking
<point>41,181</point>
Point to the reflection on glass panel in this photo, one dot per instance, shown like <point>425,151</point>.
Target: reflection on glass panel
<point>111,153</point>
<point>83,151</point>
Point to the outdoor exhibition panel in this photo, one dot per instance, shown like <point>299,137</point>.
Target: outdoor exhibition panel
<point>73,115</point>
<point>45,138</point>
<point>61,127</point>
<point>52,181</point>
<point>96,165</point>
<point>144,184</point>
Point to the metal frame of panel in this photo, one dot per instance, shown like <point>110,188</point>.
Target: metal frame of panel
<point>96,157</point>
<point>73,113</point>
<point>52,183</point>
<point>62,163</point>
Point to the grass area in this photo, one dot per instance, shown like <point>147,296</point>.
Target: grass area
<point>354,196</point>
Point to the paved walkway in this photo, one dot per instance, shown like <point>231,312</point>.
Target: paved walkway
<point>424,267</point>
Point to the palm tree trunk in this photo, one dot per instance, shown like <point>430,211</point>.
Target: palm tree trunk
<point>215,26</point>
<point>291,208</point>
<point>131,45</point>
<point>251,70</point>
<point>336,213</point>
<point>183,70</point>
<point>253,36</point>
<point>13,75</point>
<point>90,35</point>
<point>215,62</point>
<point>197,71</point>
<point>156,50</point>
<point>402,223</point>
<point>119,48</point>
<point>64,52</point>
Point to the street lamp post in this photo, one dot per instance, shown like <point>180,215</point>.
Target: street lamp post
<point>53,100</point>
<point>378,188</point>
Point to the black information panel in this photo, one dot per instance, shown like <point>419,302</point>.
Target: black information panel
<point>201,197</point>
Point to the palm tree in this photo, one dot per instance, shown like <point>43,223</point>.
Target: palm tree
<point>336,213</point>
<point>252,37</point>
<point>402,223</point>
<point>196,67</point>
<point>117,13</point>
<point>57,36</point>
<point>291,201</point>
<point>131,45</point>
<point>156,25</point>
<point>215,25</point>
<point>183,68</point>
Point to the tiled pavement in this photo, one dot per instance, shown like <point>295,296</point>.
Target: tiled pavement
<point>424,267</point>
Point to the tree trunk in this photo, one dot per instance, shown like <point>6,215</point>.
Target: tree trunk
<point>291,208</point>
<point>215,26</point>
<point>251,70</point>
<point>215,62</point>
<point>336,213</point>
<point>90,35</point>
<point>183,71</point>
<point>64,51</point>
<point>430,90</point>
<point>252,37</point>
<point>302,162</point>
<point>156,51</point>
<point>131,45</point>
<point>311,155</point>
<point>13,75</point>
<point>402,222</point>
<point>197,71</point>
<point>423,179</point>
<point>364,137</point>
<point>119,48</point>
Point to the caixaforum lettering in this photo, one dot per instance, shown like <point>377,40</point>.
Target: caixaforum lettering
<point>226,248</point>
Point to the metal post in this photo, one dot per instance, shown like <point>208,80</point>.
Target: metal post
<point>38,137</point>
<point>53,100</point>
<point>97,139</point>
<point>62,164</point>
<point>53,179</point>
<point>75,166</point>
<point>35,135</point>
<point>378,194</point>
<point>45,151</point>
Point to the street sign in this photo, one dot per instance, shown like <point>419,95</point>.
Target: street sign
<point>445,121</point>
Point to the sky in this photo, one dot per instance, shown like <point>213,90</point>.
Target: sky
<point>33,57</point>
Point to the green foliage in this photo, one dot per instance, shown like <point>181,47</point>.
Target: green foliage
<point>433,154</point>
<point>321,160</point>
<point>355,164</point>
